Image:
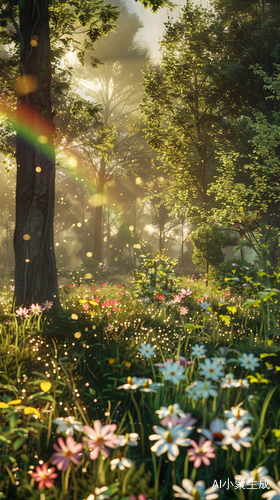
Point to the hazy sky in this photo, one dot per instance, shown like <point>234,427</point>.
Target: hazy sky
<point>154,23</point>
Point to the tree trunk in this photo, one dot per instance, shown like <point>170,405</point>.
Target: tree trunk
<point>35,267</point>
<point>98,219</point>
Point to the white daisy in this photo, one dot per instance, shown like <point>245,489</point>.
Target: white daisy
<point>199,350</point>
<point>67,425</point>
<point>249,361</point>
<point>229,381</point>
<point>211,369</point>
<point>236,414</point>
<point>170,411</point>
<point>128,438</point>
<point>120,462</point>
<point>173,372</point>
<point>169,439</point>
<point>254,476</point>
<point>236,435</point>
<point>149,386</point>
<point>132,383</point>
<point>147,350</point>
<point>195,491</point>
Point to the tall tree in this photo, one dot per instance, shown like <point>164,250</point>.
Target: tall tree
<point>35,274</point>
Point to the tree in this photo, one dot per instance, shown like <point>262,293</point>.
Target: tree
<point>208,243</point>
<point>107,143</point>
<point>183,119</point>
<point>247,189</point>
<point>35,274</point>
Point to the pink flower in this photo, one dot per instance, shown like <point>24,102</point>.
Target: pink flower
<point>186,421</point>
<point>66,453</point>
<point>85,307</point>
<point>160,297</point>
<point>226,294</point>
<point>44,476</point>
<point>120,286</point>
<point>35,309</point>
<point>185,293</point>
<point>22,312</point>
<point>162,365</point>
<point>183,311</point>
<point>177,298</point>
<point>104,285</point>
<point>201,452</point>
<point>99,437</point>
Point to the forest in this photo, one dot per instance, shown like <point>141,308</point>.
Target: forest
<point>139,250</point>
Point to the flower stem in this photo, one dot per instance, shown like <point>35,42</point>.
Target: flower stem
<point>140,422</point>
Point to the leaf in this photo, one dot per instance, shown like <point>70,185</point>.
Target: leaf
<point>17,444</point>
<point>192,327</point>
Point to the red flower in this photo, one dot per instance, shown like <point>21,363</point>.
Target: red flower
<point>44,476</point>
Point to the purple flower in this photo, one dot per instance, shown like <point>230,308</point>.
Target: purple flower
<point>66,453</point>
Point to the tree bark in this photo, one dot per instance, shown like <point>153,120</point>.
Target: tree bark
<point>35,266</point>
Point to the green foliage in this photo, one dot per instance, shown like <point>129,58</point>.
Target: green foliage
<point>89,265</point>
<point>238,275</point>
<point>156,277</point>
<point>208,242</point>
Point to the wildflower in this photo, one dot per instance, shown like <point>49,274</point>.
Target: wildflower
<point>22,312</point>
<point>47,305</point>
<point>149,386</point>
<point>66,453</point>
<point>255,476</point>
<point>120,462</point>
<point>185,293</point>
<point>258,378</point>
<point>109,328</point>
<point>173,372</point>
<point>237,414</point>
<point>221,360</point>
<point>211,369</point>
<point>203,389</point>
<point>44,476</point>
<point>171,410</point>
<point>99,437</point>
<point>162,365</point>
<point>98,494</point>
<point>35,309</point>
<point>160,297</point>
<point>193,392</point>
<point>67,425</point>
<point>274,493</point>
<point>177,299</point>
<point>183,362</point>
<point>147,350</point>
<point>195,491</point>
<point>169,440</point>
<point>249,361</point>
<point>130,439</point>
<point>131,383</point>
<point>242,382</point>
<point>104,285</point>
<point>215,432</point>
<point>228,381</point>
<point>205,305</point>
<point>236,435</point>
<point>187,421</point>
<point>198,350</point>
<point>183,311</point>
<point>201,452</point>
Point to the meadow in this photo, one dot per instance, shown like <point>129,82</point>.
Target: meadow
<point>147,387</point>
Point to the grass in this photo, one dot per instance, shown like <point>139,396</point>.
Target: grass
<point>88,350</point>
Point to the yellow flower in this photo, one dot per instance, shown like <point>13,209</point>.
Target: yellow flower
<point>29,410</point>
<point>113,361</point>
<point>45,386</point>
